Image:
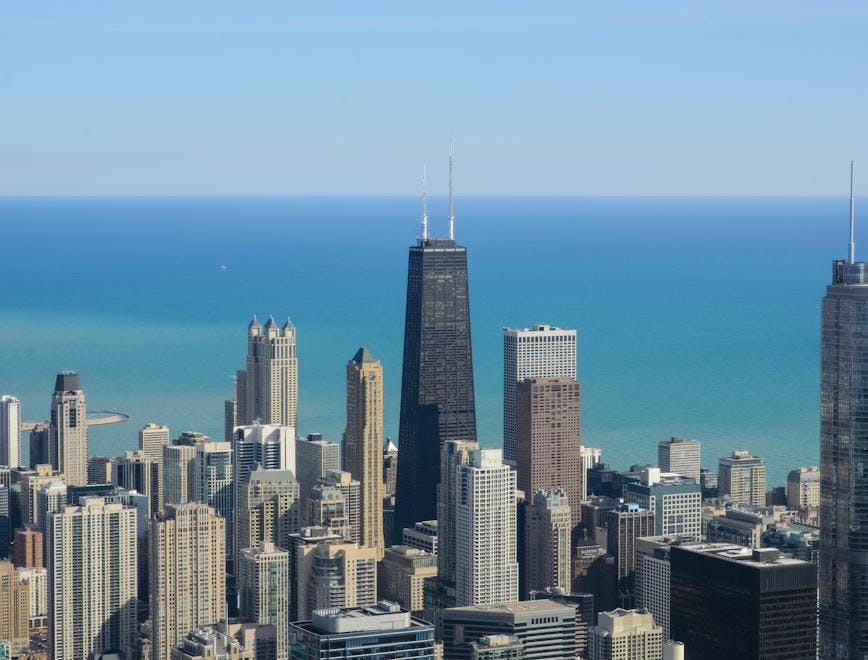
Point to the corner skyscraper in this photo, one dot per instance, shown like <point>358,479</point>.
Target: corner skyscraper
<point>843,445</point>
<point>437,401</point>
<point>267,390</point>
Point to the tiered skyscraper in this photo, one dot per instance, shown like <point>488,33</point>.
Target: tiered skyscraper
<point>363,441</point>
<point>67,443</point>
<point>542,351</point>
<point>437,400</point>
<point>267,390</point>
<point>843,446</point>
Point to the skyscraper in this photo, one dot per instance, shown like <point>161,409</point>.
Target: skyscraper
<point>212,483</point>
<point>548,524</point>
<point>187,573</point>
<point>627,523</point>
<point>743,478</point>
<point>485,531</point>
<point>542,351</point>
<point>549,450</point>
<point>843,443</point>
<point>10,432</point>
<point>675,501</point>
<point>68,431</point>
<point>263,590</point>
<point>152,438</point>
<point>626,635</point>
<point>92,555</point>
<point>401,576</point>
<point>363,441</point>
<point>437,399</point>
<point>140,471</point>
<point>679,456</point>
<point>333,575</point>
<point>314,457</point>
<point>267,390</point>
<point>267,509</point>
<point>14,608</point>
<point>336,503</point>
<point>178,477</point>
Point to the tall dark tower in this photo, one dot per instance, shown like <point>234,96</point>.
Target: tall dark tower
<point>437,402</point>
<point>844,460</point>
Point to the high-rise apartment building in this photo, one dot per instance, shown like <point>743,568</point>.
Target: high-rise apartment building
<point>363,442</point>
<point>302,548</point>
<point>178,475</point>
<point>92,556</point>
<point>548,449</point>
<point>50,498</point>
<point>546,628</point>
<point>770,600</point>
<point>401,576</point>
<point>14,608</point>
<point>39,442</point>
<point>152,438</point>
<point>423,535</point>
<point>267,390</point>
<point>335,575</point>
<point>486,570</point>
<point>230,419</point>
<point>679,456</point>
<point>263,590</point>
<point>335,502</point>
<point>140,471</point>
<point>803,488</point>
<point>548,529</point>
<point>626,635</point>
<point>67,444</point>
<point>10,431</point>
<point>542,351</point>
<point>210,644</point>
<point>314,456</point>
<point>390,468</point>
<point>742,478</point>
<point>627,523</point>
<point>437,398</point>
<point>267,509</point>
<point>31,482</point>
<point>37,586</point>
<point>675,501</point>
<point>653,576</point>
<point>382,630</point>
<point>212,483</point>
<point>27,548</point>
<point>590,457</point>
<point>99,470</point>
<point>187,573</point>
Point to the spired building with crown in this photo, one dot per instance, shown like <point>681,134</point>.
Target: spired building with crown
<point>267,390</point>
<point>843,446</point>
<point>437,399</point>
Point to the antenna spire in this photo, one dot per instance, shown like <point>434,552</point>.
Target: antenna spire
<point>451,207</point>
<point>851,257</point>
<point>424,203</point>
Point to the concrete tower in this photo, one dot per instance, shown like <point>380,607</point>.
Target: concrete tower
<point>363,441</point>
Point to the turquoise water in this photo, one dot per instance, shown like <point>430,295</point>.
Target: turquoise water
<point>697,317</point>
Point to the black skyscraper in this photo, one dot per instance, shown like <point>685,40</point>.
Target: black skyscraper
<point>437,402</point>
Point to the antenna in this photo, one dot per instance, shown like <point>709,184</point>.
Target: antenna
<point>451,207</point>
<point>851,258</point>
<point>424,203</point>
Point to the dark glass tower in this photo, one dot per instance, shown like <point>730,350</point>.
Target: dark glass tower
<point>844,461</point>
<point>437,402</point>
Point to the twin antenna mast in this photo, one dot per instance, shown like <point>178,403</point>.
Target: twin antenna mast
<point>425,200</point>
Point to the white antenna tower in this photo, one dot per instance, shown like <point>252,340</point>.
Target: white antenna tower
<point>851,257</point>
<point>424,203</point>
<point>451,207</point>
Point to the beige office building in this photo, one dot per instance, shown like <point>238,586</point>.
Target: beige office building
<point>263,590</point>
<point>626,635</point>
<point>803,488</point>
<point>363,442</point>
<point>14,608</point>
<point>548,527</point>
<point>401,576</point>
<point>37,588</point>
<point>31,482</point>
<point>743,478</point>
<point>267,509</point>
<point>267,390</point>
<point>187,573</point>
<point>152,439</point>
<point>67,444</point>
<point>548,439</point>
<point>92,555</point>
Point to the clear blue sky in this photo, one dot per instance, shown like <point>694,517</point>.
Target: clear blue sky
<point>344,98</point>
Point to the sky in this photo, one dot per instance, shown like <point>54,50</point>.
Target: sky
<point>744,97</point>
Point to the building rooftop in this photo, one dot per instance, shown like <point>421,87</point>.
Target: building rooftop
<point>67,381</point>
<point>519,607</point>
<point>757,557</point>
<point>383,617</point>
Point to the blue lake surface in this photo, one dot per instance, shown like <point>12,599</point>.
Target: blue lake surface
<point>698,317</point>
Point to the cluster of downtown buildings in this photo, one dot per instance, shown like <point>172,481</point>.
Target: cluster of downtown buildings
<point>270,544</point>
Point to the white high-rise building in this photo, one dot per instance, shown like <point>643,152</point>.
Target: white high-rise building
<point>92,555</point>
<point>679,456</point>
<point>10,431</point>
<point>742,477</point>
<point>67,444</point>
<point>212,483</point>
<point>590,457</point>
<point>542,351</point>
<point>626,635</point>
<point>268,389</point>
<point>152,438</point>
<point>653,575</point>
<point>485,531</point>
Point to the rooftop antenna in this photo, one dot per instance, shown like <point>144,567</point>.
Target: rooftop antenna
<point>851,258</point>
<point>451,207</point>
<point>424,203</point>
